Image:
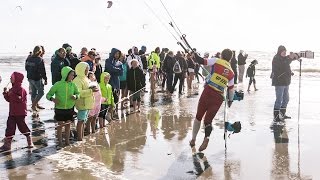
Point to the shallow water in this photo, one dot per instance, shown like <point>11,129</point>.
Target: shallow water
<point>154,143</point>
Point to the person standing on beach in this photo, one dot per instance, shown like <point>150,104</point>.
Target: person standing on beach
<point>98,67</point>
<point>212,96</point>
<point>114,67</point>
<point>90,59</point>
<point>251,72</point>
<point>234,63</point>
<point>36,72</point>
<point>143,56</point>
<point>64,93</point>
<point>93,113</point>
<point>241,64</point>
<point>281,79</point>
<point>134,55</point>
<point>84,52</point>
<point>167,67</point>
<point>207,68</point>
<point>17,98</point>
<point>86,100</point>
<point>71,57</point>
<point>153,68</point>
<point>123,80</point>
<point>136,81</point>
<point>57,64</point>
<point>182,74</point>
<point>107,94</point>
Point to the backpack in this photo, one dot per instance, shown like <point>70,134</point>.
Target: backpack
<point>176,67</point>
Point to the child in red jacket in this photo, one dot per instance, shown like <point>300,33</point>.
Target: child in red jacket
<point>17,98</point>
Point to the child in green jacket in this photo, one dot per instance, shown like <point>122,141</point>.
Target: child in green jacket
<point>86,100</point>
<point>106,91</point>
<point>64,93</point>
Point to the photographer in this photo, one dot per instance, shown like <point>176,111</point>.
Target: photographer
<point>281,79</point>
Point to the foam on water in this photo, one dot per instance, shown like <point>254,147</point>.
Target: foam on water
<point>69,161</point>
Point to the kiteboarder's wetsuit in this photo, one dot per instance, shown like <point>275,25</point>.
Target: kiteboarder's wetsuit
<point>220,77</point>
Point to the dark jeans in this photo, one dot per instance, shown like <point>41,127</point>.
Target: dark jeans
<point>179,76</point>
<point>282,97</point>
<point>115,95</point>
<point>164,79</point>
<point>235,71</point>
<point>252,80</point>
<point>37,90</point>
<point>169,82</point>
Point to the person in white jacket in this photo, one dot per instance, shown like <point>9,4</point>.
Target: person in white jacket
<point>134,55</point>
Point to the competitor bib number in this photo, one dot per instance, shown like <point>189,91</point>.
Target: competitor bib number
<point>219,80</point>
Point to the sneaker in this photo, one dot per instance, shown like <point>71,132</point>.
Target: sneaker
<point>204,144</point>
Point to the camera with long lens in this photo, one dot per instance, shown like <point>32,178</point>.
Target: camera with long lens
<point>306,54</point>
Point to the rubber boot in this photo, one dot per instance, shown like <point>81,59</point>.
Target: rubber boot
<point>283,113</point>
<point>30,143</point>
<point>276,115</point>
<point>7,145</point>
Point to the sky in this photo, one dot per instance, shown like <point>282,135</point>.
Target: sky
<point>210,25</point>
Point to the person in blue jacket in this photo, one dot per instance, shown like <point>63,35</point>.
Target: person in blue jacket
<point>114,67</point>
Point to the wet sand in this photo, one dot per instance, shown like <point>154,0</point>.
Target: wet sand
<point>154,143</point>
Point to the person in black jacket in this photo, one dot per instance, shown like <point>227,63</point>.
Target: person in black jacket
<point>98,69</point>
<point>251,72</point>
<point>136,81</point>
<point>167,68</point>
<point>36,71</point>
<point>71,58</point>
<point>281,79</point>
<point>184,67</point>
<point>233,64</point>
<point>57,64</point>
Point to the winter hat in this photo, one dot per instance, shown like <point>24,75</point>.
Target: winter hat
<point>254,62</point>
<point>66,45</point>
<point>281,49</point>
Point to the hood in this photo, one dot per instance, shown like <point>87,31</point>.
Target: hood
<point>113,52</point>
<point>132,49</point>
<point>281,49</point>
<point>65,72</point>
<point>18,78</point>
<point>102,76</point>
<point>254,62</point>
<point>56,52</point>
<point>144,48</point>
<point>81,68</point>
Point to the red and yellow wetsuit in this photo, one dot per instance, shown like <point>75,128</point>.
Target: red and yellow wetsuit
<point>220,77</point>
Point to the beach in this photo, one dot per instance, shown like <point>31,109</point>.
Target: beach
<point>154,144</point>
